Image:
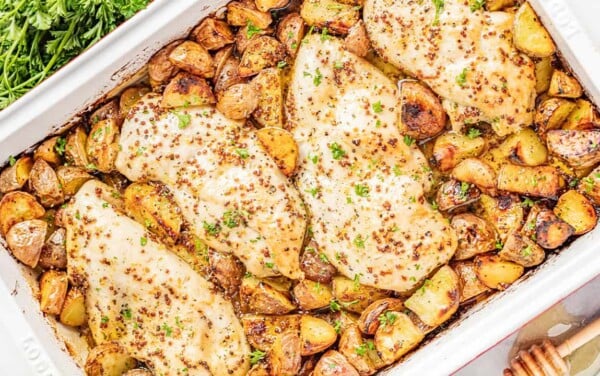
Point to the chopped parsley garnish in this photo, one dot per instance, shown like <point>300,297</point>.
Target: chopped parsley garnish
<point>168,330</point>
<point>184,119</point>
<point>356,281</point>
<point>242,153</point>
<point>337,325</point>
<point>574,182</point>
<point>526,252</point>
<point>439,6</point>
<point>317,77</point>
<point>336,151</point>
<point>361,350</point>
<point>59,147</point>
<point>464,189</point>
<point>323,257</point>
<point>361,190</point>
<point>377,108</point>
<point>588,184</point>
<point>269,265</point>
<point>461,79</point>
<point>473,133</point>
<point>387,318</point>
<point>313,191</point>
<point>338,65</point>
<point>359,241</point>
<point>104,319</point>
<point>126,313</point>
<point>434,205</point>
<point>408,140</point>
<point>499,245</point>
<point>105,205</point>
<point>11,160</point>
<point>325,34</point>
<point>476,5</point>
<point>211,228</point>
<point>252,30</point>
<point>256,356</point>
<point>334,306</point>
<point>527,203</point>
<point>232,218</point>
<point>397,171</point>
<point>281,64</point>
<point>143,241</point>
<point>313,158</point>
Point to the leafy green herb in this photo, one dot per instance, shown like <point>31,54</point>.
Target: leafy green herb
<point>527,203</point>
<point>377,108</point>
<point>336,151</point>
<point>476,5</point>
<point>356,281</point>
<point>105,205</point>
<point>588,184</point>
<point>269,265</point>
<point>168,330</point>
<point>59,147</point>
<point>143,241</point>
<point>126,313</point>
<point>387,318</point>
<point>252,30</point>
<point>334,306</point>
<point>526,252</point>
<point>408,140</point>
<point>211,228</point>
<point>184,119</point>
<point>281,64</point>
<point>573,182</point>
<point>439,7</point>
<point>473,133</point>
<point>337,325</point>
<point>359,241</point>
<point>325,34</point>
<point>361,190</point>
<point>434,205</point>
<point>317,77</point>
<point>11,160</point>
<point>461,79</point>
<point>242,153</point>
<point>338,65</point>
<point>313,158</point>
<point>104,319</point>
<point>323,257</point>
<point>313,191</point>
<point>256,356</point>
<point>232,218</point>
<point>499,245</point>
<point>361,350</point>
<point>464,189</point>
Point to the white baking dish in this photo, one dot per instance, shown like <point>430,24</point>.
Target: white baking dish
<point>80,84</point>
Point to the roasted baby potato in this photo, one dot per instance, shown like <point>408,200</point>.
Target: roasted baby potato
<point>257,296</point>
<point>529,35</point>
<point>355,349</point>
<point>261,331</point>
<point>14,177</point>
<point>243,14</point>
<point>582,117</point>
<point>475,171</point>
<point>26,239</point>
<point>267,5</point>
<point>496,273</point>
<point>45,184</point>
<point>193,58</point>
<point>262,52</point>
<point>108,359</point>
<point>75,148</point>
<point>73,310</point>
<point>312,295</point>
<point>475,235</point>
<point>550,231</point>
<point>552,112</point>
<point>451,148</point>
<point>238,101</point>
<point>284,356</point>
<point>453,194</point>
<point>494,5</point>
<point>280,145</point>
<point>187,90</point>
<point>129,97</point>
<point>540,181</point>
<point>470,285</point>
<point>109,110</point>
<point>17,207</point>
<point>334,15</point>
<point>160,68</point>
<point>374,314</point>
<point>71,178</point>
<point>579,148</point>
<point>525,148</point>
<point>103,146</point>
<point>227,75</point>
<point>575,209</point>
<point>564,86</point>
<point>522,250</point>
<point>315,265</point>
<point>316,335</point>
<point>53,291</point>
<point>543,74</point>
<point>227,270</point>
<point>353,296</point>
<point>397,338</point>
<point>269,86</point>
<point>437,299</point>
<point>357,40</point>
<point>505,213</point>
<point>421,113</point>
<point>213,34</point>
<point>332,363</point>
<point>290,32</point>
<point>148,205</point>
<point>47,151</point>
<point>590,185</point>
<point>54,252</point>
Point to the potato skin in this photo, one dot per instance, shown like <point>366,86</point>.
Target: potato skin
<point>552,112</point>
<point>102,145</point>
<point>337,16</point>
<point>192,57</point>
<point>579,148</point>
<point>53,291</point>
<point>54,252</point>
<point>315,267</point>
<point>160,68</point>
<point>451,148</point>
<point>453,194</point>
<point>312,295</point>
<point>475,171</point>
<point>75,148</point>
<point>26,239</point>
<point>262,330</point>
<point>262,52</point>
<point>14,177</point>
<point>421,113</point>
<point>109,110</point>
<point>17,207</point>
<point>242,14</point>
<point>269,86</point>
<point>71,178</point>
<point>284,356</point>
<point>470,285</point>
<point>47,151</point>
<point>369,318</point>
<point>496,273</point>
<point>316,335</point>
<point>357,40</point>
<point>44,183</point>
<point>186,89</point>
<point>394,340</point>
<point>475,235</point>
<point>213,34</point>
<point>332,363</point>
<point>350,341</point>
<point>290,32</point>
<point>227,270</point>
<point>238,101</point>
<point>522,250</point>
<point>353,296</point>
<point>258,296</point>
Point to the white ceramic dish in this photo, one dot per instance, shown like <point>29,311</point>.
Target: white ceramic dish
<point>80,84</point>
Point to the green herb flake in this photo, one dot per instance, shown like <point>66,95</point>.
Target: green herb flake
<point>337,325</point>
<point>60,145</point>
<point>527,203</point>
<point>232,218</point>
<point>387,318</point>
<point>143,241</point>
<point>317,77</point>
<point>573,183</point>
<point>408,140</point>
<point>126,313</point>
<point>269,265</point>
<point>356,281</point>
<point>168,330</point>
<point>211,228</point>
<point>184,119</point>
<point>313,191</point>
<point>361,350</point>
<point>377,107</point>
<point>334,306</point>
<point>256,356</point>
<point>476,5</point>
<point>439,7</point>
<point>361,190</point>
<point>104,319</point>
<point>461,79</point>
<point>464,189</point>
<point>281,64</point>
<point>323,257</point>
<point>314,158</point>
<point>105,205</point>
<point>338,65</point>
<point>526,252</point>
<point>11,160</point>
<point>359,241</point>
<point>473,133</point>
<point>499,245</point>
<point>252,30</point>
<point>336,151</point>
<point>325,34</point>
<point>242,153</point>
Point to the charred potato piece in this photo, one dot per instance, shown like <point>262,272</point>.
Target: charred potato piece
<point>540,181</point>
<point>357,40</point>
<point>54,252</point>
<point>73,310</point>
<point>579,148</point>
<point>316,266</point>
<point>160,68</point>
<point>71,178</point>
<point>262,52</point>
<point>243,14</point>
<point>227,75</point>
<point>130,96</point>
<point>522,250</point>
<point>334,15</point>
<point>284,356</point>
<point>156,211</point>
<point>576,210</point>
<point>281,146</point>
<point>17,207</point>
<point>495,272</point>
<point>451,148</point>
<point>45,184</point>
<point>47,151</point>
<point>552,112</point>
<point>14,177</point>
<point>290,32</point>
<point>238,101</point>
<point>53,291</point>
<point>470,285</point>
<point>564,86</point>
<point>437,299</point>
<point>102,145</point>
<point>246,34</point>
<point>421,112</point>
<point>312,295</point>
<point>213,34</point>
<point>354,348</point>
<point>529,35</point>
<point>505,213</point>
<point>260,297</point>
<point>551,232</point>
<point>543,74</point>
<point>108,359</point>
<point>316,335</point>
<point>267,5</point>
<point>374,314</point>
<point>269,86</point>
<point>475,171</point>
<point>453,194</point>
<point>475,235</point>
<point>75,148</point>
<point>192,57</point>
<point>394,340</point>
<point>582,117</point>
<point>494,5</point>
<point>187,90</point>
<point>332,363</point>
<point>590,186</point>
<point>26,239</point>
<point>109,110</point>
<point>526,148</point>
<point>261,331</point>
<point>353,296</point>
<point>227,270</point>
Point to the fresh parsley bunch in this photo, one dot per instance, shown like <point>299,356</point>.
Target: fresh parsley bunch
<point>39,36</point>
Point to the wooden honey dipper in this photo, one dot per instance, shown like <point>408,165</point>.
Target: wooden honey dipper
<point>547,360</point>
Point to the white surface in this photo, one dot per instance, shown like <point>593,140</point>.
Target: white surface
<point>77,86</point>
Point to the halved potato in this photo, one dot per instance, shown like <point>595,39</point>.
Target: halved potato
<point>525,148</point>
<point>213,34</point>
<point>130,96</point>
<point>284,356</point>
<point>17,207</point>
<point>522,250</point>
<point>543,74</point>
<point>227,270</point>
<point>280,145</point>
<point>160,68</point>
<point>496,273</point>
<point>575,209</point>
<point>334,15</point>
<point>332,363</point>
<point>227,75</point>
<point>564,86</point>
<point>187,90</point>
<point>451,148</point>
<point>257,296</point>
<point>475,235</point>
<point>475,171</point>
<point>357,41</point>
<point>192,57</point>
<point>550,231</point>
<point>54,252</point>
<point>14,177</point>
<point>315,265</point>
<point>262,52</point>
<point>47,151</point>
<point>437,299</point>
<point>394,340</point>
<point>73,310</point>
<point>45,184</point>
<point>505,213</point>
<point>355,349</point>
<point>290,31</point>
<point>540,181</point>
<point>269,86</point>
<point>470,285</point>
<point>109,110</point>
<point>453,194</point>
<point>374,314</point>
<point>552,112</point>
<point>353,296</point>
<point>316,335</point>
<point>108,359</point>
<point>75,148</point>
<point>529,35</point>
<point>53,291</point>
<point>243,14</point>
<point>579,148</point>
<point>26,239</point>
<point>102,146</point>
<point>590,186</point>
<point>421,112</point>
<point>312,295</point>
<point>155,210</point>
<point>494,5</point>
<point>582,117</point>
<point>238,101</point>
<point>71,178</point>
<point>261,331</point>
